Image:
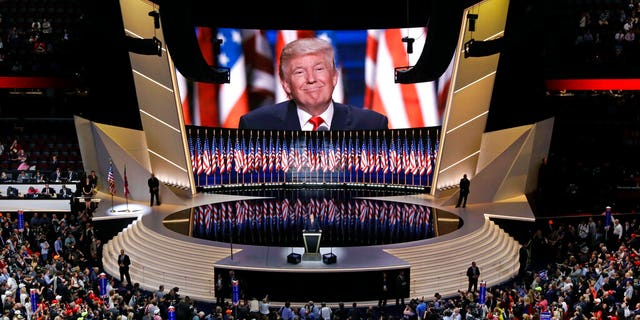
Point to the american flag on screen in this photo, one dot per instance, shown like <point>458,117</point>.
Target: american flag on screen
<point>261,78</point>
<point>233,97</point>
<point>406,105</point>
<point>199,99</point>
<point>217,105</point>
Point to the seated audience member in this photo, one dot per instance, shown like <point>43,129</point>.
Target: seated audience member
<point>32,192</point>
<point>57,175</point>
<point>12,192</point>
<point>23,160</point>
<point>23,177</point>
<point>65,192</point>
<point>4,177</point>
<point>47,191</point>
<point>71,175</point>
<point>39,177</point>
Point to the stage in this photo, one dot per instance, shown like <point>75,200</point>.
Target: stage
<point>161,255</point>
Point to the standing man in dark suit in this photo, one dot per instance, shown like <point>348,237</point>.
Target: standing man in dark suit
<point>124,262</point>
<point>308,75</point>
<point>473,273</point>
<point>311,224</point>
<point>464,191</point>
<point>154,189</point>
<point>384,291</point>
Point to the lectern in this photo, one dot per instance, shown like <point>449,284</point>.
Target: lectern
<point>312,244</point>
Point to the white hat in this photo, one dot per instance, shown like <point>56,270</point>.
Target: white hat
<point>17,312</point>
<point>156,311</point>
<point>597,300</point>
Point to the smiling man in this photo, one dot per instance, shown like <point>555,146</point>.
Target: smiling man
<point>308,75</point>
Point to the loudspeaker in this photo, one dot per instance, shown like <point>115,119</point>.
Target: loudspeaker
<point>294,258</point>
<point>329,258</point>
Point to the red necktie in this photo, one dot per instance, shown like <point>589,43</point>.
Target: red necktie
<point>316,121</point>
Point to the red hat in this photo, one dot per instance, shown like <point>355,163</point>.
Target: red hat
<point>54,301</point>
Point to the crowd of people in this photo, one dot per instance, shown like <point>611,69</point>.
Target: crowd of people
<point>597,39</point>
<point>39,43</point>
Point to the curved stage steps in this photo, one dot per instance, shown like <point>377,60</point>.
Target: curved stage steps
<point>436,266</point>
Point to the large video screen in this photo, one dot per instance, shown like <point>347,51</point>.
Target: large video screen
<point>366,61</point>
<point>402,153</point>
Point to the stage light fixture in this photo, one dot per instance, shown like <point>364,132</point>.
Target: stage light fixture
<point>156,18</point>
<point>472,21</point>
<point>475,48</point>
<point>409,42</point>
<point>145,46</point>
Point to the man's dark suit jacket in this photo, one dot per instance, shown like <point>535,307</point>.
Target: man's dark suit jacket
<point>311,226</point>
<point>284,116</point>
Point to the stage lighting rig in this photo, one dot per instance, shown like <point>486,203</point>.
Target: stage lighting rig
<point>475,48</point>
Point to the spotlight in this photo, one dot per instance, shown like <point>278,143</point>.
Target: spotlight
<point>472,21</point>
<point>409,42</point>
<point>156,18</point>
<point>473,48</point>
<point>145,46</point>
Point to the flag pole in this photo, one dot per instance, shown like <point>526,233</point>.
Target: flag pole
<point>126,188</point>
<point>112,209</point>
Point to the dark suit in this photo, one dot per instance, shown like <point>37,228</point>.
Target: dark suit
<point>123,263</point>
<point>473,273</point>
<point>284,116</point>
<point>154,190</point>
<point>47,192</point>
<point>65,192</point>
<point>311,225</point>
<point>465,183</point>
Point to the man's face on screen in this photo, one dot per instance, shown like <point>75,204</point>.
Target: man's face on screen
<point>310,80</point>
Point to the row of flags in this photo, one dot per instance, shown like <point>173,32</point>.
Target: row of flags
<point>111,180</point>
<point>289,216</point>
<point>388,152</point>
<point>253,63</point>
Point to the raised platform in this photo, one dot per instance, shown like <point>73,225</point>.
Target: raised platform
<point>161,256</point>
